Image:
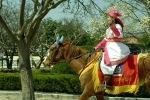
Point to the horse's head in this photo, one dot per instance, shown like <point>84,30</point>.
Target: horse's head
<point>54,54</point>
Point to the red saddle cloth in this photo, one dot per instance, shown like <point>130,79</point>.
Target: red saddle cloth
<point>125,74</point>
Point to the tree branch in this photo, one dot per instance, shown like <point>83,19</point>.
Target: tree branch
<point>21,15</point>
<point>83,6</point>
<point>50,5</point>
<point>42,6</point>
<point>3,24</point>
<point>57,3</point>
<point>1,4</point>
<point>33,31</point>
<point>96,6</point>
<point>30,19</point>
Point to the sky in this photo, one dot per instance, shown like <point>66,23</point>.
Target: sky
<point>57,14</point>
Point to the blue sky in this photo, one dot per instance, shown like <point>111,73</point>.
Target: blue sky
<point>57,13</point>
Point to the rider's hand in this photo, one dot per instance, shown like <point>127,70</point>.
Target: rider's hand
<point>95,49</point>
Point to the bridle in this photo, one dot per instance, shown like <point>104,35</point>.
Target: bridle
<point>76,57</point>
<point>55,53</point>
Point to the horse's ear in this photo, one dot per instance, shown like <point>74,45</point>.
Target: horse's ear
<point>57,39</point>
<point>61,39</point>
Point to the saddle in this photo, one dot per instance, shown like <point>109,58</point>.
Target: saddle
<point>123,72</point>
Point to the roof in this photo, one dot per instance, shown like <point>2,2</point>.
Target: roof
<point>131,40</point>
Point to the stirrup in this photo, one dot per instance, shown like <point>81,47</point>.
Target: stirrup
<point>103,85</point>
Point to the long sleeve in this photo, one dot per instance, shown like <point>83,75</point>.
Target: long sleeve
<point>100,44</point>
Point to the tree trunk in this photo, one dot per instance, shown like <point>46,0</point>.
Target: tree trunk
<point>26,73</point>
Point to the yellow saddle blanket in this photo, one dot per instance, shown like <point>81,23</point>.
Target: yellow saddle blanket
<point>123,81</point>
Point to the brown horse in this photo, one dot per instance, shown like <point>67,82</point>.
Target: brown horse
<point>77,59</point>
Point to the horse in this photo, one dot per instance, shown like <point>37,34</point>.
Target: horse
<point>77,58</point>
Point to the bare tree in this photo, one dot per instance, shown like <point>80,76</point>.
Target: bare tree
<point>25,34</point>
<point>9,14</point>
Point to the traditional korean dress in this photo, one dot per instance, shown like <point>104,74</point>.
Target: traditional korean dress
<point>115,51</point>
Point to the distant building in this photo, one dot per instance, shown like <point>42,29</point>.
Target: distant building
<point>132,42</point>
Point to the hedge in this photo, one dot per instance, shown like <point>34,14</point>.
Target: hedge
<point>62,68</point>
<point>44,81</point>
<point>10,81</point>
<point>61,83</point>
<point>57,83</point>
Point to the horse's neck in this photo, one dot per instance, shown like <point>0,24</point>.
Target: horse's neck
<point>72,56</point>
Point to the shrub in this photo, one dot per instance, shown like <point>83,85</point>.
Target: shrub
<point>60,83</point>
<point>45,81</point>
<point>10,81</point>
<point>62,68</point>
<point>57,83</point>
<point>86,47</point>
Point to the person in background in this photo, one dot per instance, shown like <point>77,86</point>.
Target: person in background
<point>115,52</point>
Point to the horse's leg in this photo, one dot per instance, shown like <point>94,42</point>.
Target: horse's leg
<point>148,84</point>
<point>147,80</point>
<point>85,95</point>
<point>88,90</point>
<point>147,72</point>
<point>100,96</point>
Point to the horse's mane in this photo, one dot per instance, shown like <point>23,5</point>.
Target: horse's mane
<point>72,50</point>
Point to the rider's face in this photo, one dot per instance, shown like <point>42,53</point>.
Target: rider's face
<point>110,19</point>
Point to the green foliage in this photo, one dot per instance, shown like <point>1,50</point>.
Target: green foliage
<point>143,92</point>
<point>86,40</point>
<point>145,42</point>
<point>41,71</point>
<point>87,47</point>
<point>72,29</point>
<point>62,68</point>
<point>134,49</point>
<point>57,83</point>
<point>10,81</point>
<point>46,30</point>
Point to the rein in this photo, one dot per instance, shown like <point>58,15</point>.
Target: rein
<point>82,55</point>
<point>85,60</point>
